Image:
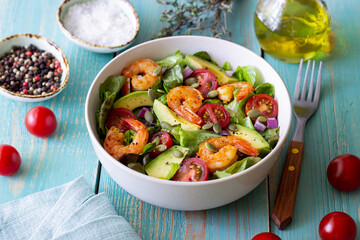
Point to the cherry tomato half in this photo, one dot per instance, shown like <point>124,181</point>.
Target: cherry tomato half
<point>343,172</point>
<point>212,112</point>
<point>337,226</point>
<point>266,236</point>
<point>126,88</point>
<point>264,103</point>
<point>114,118</point>
<point>165,139</point>
<point>40,121</point>
<point>10,160</point>
<point>192,170</point>
<point>207,81</point>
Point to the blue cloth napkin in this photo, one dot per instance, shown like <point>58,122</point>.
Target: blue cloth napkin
<point>71,211</point>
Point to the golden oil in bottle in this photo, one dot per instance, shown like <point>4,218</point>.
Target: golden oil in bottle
<point>290,30</point>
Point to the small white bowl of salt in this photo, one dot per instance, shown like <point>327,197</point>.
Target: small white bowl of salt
<point>102,26</point>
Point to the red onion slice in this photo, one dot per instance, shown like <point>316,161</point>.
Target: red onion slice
<point>142,112</point>
<point>272,123</point>
<point>187,72</point>
<point>224,133</point>
<point>259,126</point>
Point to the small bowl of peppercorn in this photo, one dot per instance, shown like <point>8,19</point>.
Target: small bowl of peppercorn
<point>32,68</point>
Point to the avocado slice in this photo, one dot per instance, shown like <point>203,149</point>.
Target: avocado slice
<point>163,113</point>
<point>166,164</point>
<point>252,136</point>
<point>134,100</point>
<point>195,63</point>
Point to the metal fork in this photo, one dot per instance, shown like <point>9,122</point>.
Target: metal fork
<point>304,108</point>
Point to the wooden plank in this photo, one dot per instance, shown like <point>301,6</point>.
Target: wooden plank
<point>330,132</point>
<point>239,220</point>
<point>68,153</point>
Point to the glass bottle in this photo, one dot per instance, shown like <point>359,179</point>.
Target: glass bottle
<point>290,30</point>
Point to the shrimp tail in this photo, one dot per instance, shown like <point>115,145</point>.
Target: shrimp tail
<point>245,147</point>
<point>188,115</point>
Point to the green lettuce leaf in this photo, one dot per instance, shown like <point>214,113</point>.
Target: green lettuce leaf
<point>129,137</point>
<point>246,74</point>
<point>173,77</point>
<point>112,84</point>
<point>173,60</point>
<point>191,139</point>
<point>265,88</point>
<point>237,167</point>
<point>238,107</point>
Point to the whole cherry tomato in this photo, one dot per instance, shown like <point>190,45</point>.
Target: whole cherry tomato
<point>337,226</point>
<point>343,172</point>
<point>10,160</point>
<point>40,121</point>
<point>266,236</point>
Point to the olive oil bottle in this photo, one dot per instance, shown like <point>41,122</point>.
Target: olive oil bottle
<point>290,30</point>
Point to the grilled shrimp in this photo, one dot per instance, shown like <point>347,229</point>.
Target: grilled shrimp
<point>114,141</point>
<point>185,101</point>
<point>226,154</point>
<point>141,74</point>
<point>226,92</point>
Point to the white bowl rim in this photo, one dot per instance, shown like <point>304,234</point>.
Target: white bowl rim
<point>96,45</point>
<point>64,59</point>
<point>178,183</point>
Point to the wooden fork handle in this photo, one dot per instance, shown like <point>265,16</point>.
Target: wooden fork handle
<point>286,195</point>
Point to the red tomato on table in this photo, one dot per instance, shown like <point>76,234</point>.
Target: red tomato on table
<point>337,226</point>
<point>10,160</point>
<point>266,236</point>
<point>343,172</point>
<point>40,121</point>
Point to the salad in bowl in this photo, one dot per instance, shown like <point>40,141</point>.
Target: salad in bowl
<point>187,117</point>
<point>177,153</point>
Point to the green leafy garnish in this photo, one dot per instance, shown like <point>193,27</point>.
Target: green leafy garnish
<point>203,55</point>
<point>112,84</point>
<point>173,60</point>
<point>148,148</point>
<point>265,88</point>
<point>246,74</point>
<point>129,137</point>
<point>238,107</point>
<point>173,77</point>
<point>237,167</point>
<point>191,139</point>
<point>226,66</point>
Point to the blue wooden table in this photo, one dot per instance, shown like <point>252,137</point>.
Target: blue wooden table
<point>68,153</point>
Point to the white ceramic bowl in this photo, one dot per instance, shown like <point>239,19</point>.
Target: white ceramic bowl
<point>189,195</point>
<point>128,9</point>
<point>41,43</point>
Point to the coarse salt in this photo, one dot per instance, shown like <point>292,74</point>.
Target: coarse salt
<point>102,22</point>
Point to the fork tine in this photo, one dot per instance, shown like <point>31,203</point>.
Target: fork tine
<point>303,91</point>
<point>318,85</point>
<point>310,91</point>
<point>298,81</point>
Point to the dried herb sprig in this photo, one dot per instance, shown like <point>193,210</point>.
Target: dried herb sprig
<point>192,16</point>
